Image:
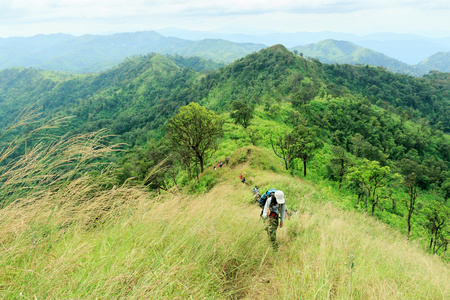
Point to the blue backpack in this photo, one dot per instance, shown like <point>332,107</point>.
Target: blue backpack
<point>263,199</point>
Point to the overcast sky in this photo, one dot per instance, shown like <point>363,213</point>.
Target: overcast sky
<point>31,17</point>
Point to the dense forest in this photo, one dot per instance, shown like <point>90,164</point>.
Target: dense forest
<point>379,139</point>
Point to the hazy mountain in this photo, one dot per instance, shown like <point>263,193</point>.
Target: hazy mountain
<point>219,50</point>
<point>93,53</point>
<point>407,48</point>
<point>261,36</point>
<point>342,52</point>
<point>411,51</point>
<point>440,61</point>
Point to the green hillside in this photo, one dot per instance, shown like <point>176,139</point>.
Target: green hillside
<point>139,90</point>
<point>340,126</point>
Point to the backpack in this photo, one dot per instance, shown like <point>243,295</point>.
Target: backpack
<point>263,199</point>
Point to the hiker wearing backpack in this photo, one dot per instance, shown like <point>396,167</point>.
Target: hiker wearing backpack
<point>274,210</point>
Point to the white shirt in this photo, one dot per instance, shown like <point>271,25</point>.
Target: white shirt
<point>277,208</point>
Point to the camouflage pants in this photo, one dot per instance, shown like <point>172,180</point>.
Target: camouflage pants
<point>271,228</point>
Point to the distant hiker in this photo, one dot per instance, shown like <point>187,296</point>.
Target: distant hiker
<point>256,194</point>
<point>243,180</point>
<point>274,209</point>
<point>220,164</point>
<point>255,189</point>
<point>240,176</point>
<point>227,160</point>
<point>215,168</point>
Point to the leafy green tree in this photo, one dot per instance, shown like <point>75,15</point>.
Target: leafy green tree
<point>372,178</point>
<point>194,132</point>
<point>282,146</point>
<point>358,143</point>
<point>242,113</point>
<point>410,186</point>
<point>446,187</point>
<point>253,134</point>
<point>304,143</point>
<point>437,218</point>
<point>154,166</point>
<point>306,93</point>
<point>339,163</point>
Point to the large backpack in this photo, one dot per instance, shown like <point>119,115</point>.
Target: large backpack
<point>263,199</point>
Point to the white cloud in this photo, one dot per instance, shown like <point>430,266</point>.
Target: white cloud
<point>28,17</point>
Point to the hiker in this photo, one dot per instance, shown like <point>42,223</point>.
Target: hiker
<point>256,194</point>
<point>220,164</point>
<point>226,160</point>
<point>274,209</point>
<point>243,180</point>
<point>240,177</point>
<point>255,189</point>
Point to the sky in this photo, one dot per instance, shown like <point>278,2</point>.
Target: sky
<point>78,17</point>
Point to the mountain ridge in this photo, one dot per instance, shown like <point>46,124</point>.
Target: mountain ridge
<point>344,52</point>
<point>94,53</point>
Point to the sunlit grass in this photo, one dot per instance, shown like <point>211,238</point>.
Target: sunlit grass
<point>74,235</point>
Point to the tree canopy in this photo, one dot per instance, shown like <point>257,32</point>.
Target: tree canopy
<point>194,132</point>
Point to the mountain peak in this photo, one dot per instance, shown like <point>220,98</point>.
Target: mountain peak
<point>278,48</point>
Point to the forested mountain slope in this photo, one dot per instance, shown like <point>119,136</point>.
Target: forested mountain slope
<point>137,92</point>
<point>271,74</point>
<point>275,71</point>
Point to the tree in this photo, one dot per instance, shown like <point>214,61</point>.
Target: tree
<point>437,217</point>
<point>282,147</point>
<point>306,93</point>
<point>194,132</point>
<point>358,143</point>
<point>371,177</point>
<point>154,167</point>
<point>254,135</point>
<point>304,143</point>
<point>242,113</point>
<point>339,163</point>
<point>410,185</point>
<point>445,186</point>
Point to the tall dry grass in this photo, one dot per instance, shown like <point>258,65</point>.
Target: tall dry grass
<point>328,253</point>
<point>83,238</point>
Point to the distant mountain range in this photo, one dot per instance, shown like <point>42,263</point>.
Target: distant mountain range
<point>95,53</point>
<point>407,48</point>
<point>343,52</point>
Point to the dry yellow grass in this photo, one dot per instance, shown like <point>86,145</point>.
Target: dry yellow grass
<point>80,240</point>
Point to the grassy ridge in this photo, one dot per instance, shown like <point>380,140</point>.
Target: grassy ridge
<point>122,242</point>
